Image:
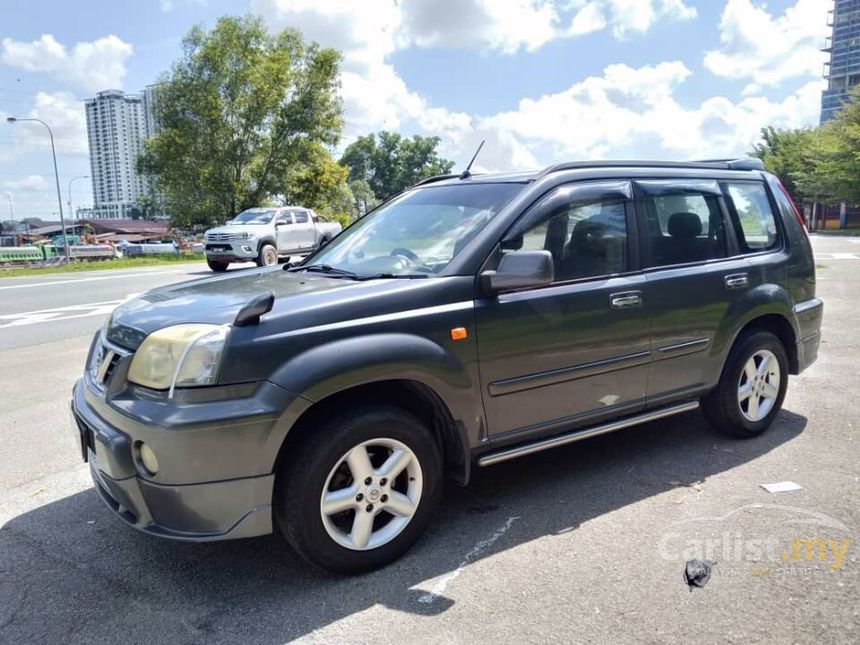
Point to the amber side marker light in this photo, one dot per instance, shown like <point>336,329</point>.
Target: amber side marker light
<point>459,333</point>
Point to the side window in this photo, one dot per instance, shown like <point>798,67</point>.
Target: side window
<point>587,237</point>
<point>301,217</point>
<point>682,226</point>
<point>284,218</point>
<point>753,216</point>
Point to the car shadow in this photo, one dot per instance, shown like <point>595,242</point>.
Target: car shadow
<point>71,572</point>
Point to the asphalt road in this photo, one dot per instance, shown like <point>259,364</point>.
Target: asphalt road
<point>582,544</point>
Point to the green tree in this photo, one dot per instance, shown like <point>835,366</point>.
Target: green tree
<point>390,163</point>
<point>836,155</point>
<point>363,197</point>
<point>239,113</point>
<point>319,183</point>
<point>786,154</point>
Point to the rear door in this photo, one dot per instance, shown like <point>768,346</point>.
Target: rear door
<point>576,350</point>
<point>693,274</point>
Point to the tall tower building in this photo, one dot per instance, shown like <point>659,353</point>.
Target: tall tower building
<point>843,70</point>
<point>117,129</point>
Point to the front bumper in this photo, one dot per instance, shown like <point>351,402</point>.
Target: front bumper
<point>242,250</point>
<point>203,498</point>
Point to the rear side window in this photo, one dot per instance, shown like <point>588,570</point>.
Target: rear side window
<point>682,224</point>
<point>753,216</point>
<point>301,217</point>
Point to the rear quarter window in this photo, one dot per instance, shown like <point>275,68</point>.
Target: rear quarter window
<point>753,217</point>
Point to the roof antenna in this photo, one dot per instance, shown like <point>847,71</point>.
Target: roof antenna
<point>467,172</point>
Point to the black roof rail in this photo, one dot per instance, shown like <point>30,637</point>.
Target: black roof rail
<point>713,164</point>
<point>433,180</point>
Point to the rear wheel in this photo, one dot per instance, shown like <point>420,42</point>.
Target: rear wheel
<point>215,265</point>
<point>752,387</point>
<point>267,256</point>
<point>360,490</point>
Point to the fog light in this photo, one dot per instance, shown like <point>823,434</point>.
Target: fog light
<point>246,249</point>
<point>148,459</point>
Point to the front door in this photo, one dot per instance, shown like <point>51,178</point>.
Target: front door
<point>577,350</point>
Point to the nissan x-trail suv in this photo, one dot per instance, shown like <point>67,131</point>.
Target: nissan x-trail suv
<point>469,320</point>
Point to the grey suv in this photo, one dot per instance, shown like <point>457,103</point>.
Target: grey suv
<point>468,321</point>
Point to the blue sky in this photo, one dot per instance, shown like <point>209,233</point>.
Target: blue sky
<point>540,80</point>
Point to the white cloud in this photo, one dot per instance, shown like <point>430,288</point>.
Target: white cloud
<point>588,19</point>
<point>768,49</point>
<point>64,114</point>
<point>93,66</point>
<point>626,111</point>
<point>28,184</point>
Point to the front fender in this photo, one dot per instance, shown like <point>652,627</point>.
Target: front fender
<point>336,366</point>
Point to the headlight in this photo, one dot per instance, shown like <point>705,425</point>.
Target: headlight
<point>246,236</point>
<point>182,355</point>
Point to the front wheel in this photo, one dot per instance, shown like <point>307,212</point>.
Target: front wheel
<point>268,256</point>
<point>752,386</point>
<point>360,490</point>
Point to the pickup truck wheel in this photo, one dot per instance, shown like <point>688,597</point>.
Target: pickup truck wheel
<point>220,267</point>
<point>323,241</point>
<point>360,490</point>
<point>268,256</point>
<point>752,387</point>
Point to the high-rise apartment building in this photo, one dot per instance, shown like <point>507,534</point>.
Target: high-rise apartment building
<point>117,130</point>
<point>843,70</point>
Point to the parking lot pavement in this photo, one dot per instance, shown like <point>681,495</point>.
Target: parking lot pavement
<point>585,543</point>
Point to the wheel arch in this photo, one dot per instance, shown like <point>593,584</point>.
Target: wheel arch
<point>410,395</point>
<point>777,323</point>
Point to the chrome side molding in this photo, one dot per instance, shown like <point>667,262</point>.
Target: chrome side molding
<point>578,435</point>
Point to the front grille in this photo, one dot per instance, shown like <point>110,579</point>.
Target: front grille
<point>221,237</point>
<point>104,361</point>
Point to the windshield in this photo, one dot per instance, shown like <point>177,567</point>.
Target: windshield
<point>254,216</point>
<point>419,232</point>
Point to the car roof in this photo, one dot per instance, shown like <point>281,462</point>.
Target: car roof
<point>748,164</point>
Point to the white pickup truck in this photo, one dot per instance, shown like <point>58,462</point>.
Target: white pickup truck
<point>265,235</point>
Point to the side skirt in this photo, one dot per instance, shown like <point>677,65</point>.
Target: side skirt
<point>521,450</point>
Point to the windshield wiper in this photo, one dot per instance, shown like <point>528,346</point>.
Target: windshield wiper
<point>392,276</point>
<point>327,269</point>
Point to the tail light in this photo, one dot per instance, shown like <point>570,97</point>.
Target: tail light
<point>794,208</point>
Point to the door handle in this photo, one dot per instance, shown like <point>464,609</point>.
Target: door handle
<point>625,300</point>
<point>737,280</point>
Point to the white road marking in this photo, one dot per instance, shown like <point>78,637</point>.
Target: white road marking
<point>837,256</point>
<point>24,318</point>
<point>480,547</point>
<point>33,285</point>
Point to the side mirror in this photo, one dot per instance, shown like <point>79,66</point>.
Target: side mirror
<point>281,222</point>
<point>520,270</point>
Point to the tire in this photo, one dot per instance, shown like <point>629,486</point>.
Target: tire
<point>218,267</point>
<point>319,465</point>
<point>749,415</point>
<point>323,241</point>
<point>267,255</point>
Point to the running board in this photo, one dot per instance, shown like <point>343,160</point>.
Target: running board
<point>579,435</point>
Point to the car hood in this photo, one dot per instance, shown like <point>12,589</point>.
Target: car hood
<point>232,229</point>
<point>301,299</point>
<point>215,300</point>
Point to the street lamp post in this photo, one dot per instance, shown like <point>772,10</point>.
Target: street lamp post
<point>13,119</point>
<point>71,212</point>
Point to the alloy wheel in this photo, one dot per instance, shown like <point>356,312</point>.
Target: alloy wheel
<point>371,494</point>
<point>758,387</point>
